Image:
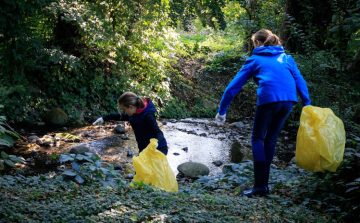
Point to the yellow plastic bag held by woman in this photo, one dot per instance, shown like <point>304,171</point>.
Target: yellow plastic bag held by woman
<point>151,166</point>
<point>320,140</point>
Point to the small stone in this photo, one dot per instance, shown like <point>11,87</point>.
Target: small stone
<point>129,176</point>
<point>124,138</point>
<point>217,163</point>
<point>130,153</point>
<point>203,134</point>
<point>176,154</point>
<point>41,123</point>
<point>117,167</point>
<point>185,149</point>
<point>164,123</point>
<point>33,137</point>
<point>238,124</point>
<point>120,129</point>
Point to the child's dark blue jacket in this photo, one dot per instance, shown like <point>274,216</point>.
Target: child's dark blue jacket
<point>144,125</point>
<point>276,74</point>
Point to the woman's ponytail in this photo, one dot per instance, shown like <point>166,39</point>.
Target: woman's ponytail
<point>266,37</point>
<point>129,98</point>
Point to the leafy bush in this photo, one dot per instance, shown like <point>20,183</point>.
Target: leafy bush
<point>88,167</point>
<point>175,109</point>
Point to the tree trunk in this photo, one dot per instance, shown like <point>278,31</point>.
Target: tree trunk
<point>284,31</point>
<point>355,64</point>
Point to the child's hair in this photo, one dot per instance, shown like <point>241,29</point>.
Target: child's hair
<point>266,37</point>
<point>129,98</point>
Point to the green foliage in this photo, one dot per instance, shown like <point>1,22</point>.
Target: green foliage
<point>209,13</point>
<point>175,109</point>
<point>233,176</point>
<point>89,168</point>
<point>338,192</point>
<point>200,111</point>
<point>9,160</point>
<point>49,198</point>
<point>82,58</point>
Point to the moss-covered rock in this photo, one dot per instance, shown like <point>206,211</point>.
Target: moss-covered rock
<point>68,137</point>
<point>239,152</point>
<point>56,116</point>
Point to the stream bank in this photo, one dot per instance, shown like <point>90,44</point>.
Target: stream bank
<point>189,140</point>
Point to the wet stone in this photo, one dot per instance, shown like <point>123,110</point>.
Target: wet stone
<point>33,137</point>
<point>217,163</point>
<point>129,176</point>
<point>120,129</point>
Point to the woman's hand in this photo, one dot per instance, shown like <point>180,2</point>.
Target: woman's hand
<point>220,119</point>
<point>101,120</point>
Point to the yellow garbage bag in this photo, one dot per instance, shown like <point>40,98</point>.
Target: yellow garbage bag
<point>151,166</point>
<point>320,142</point>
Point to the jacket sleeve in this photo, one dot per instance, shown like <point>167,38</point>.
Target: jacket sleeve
<point>150,121</point>
<point>300,82</point>
<point>116,117</point>
<point>236,85</point>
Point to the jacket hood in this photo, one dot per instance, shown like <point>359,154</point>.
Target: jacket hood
<point>268,50</point>
<point>150,108</point>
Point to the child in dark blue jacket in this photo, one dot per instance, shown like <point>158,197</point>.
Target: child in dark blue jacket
<point>278,79</point>
<point>141,114</point>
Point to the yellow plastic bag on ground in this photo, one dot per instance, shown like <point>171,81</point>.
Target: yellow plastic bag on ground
<point>320,140</point>
<point>151,166</point>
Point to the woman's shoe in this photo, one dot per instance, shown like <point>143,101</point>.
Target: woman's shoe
<point>264,191</point>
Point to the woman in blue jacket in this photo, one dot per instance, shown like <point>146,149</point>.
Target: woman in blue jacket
<point>141,114</point>
<point>278,79</point>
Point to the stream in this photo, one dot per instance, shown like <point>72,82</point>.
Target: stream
<point>189,140</point>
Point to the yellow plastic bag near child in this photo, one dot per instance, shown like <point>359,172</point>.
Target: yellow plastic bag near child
<point>151,166</point>
<point>320,140</point>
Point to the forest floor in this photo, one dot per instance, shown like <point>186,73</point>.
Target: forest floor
<point>48,198</point>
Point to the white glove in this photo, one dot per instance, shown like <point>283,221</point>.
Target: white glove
<point>220,119</point>
<point>101,120</point>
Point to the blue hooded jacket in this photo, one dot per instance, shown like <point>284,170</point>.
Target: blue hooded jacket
<point>276,74</point>
<point>141,131</point>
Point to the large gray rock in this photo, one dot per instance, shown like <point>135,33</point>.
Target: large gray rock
<point>239,152</point>
<point>193,170</point>
<point>209,104</point>
<point>80,149</point>
<point>56,117</point>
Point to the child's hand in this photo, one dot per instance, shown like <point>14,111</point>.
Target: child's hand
<point>220,119</point>
<point>101,120</point>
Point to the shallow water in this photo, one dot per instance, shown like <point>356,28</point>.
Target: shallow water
<point>198,135</point>
<point>201,149</point>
